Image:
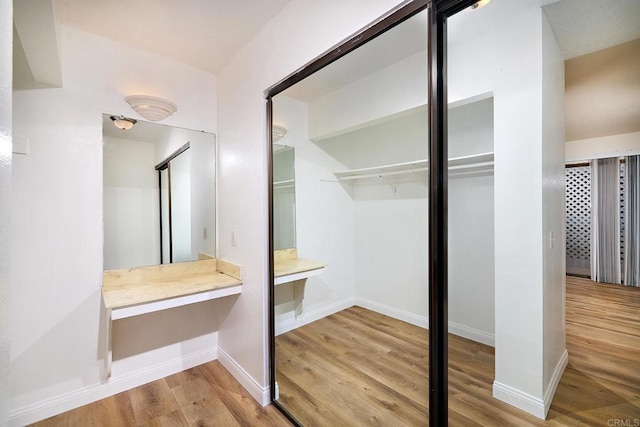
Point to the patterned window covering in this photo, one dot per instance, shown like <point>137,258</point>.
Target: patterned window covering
<point>578,220</point>
<point>605,220</point>
<point>632,221</point>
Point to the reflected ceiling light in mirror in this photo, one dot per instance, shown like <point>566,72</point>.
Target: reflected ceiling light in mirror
<point>151,108</point>
<point>480,4</point>
<point>122,122</point>
<point>277,132</point>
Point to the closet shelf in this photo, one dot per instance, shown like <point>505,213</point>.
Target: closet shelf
<point>289,183</point>
<point>457,166</point>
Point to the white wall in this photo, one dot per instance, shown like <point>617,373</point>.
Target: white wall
<point>400,94</point>
<point>471,227</point>
<point>553,222</point>
<point>289,40</point>
<point>6,60</point>
<point>56,326</point>
<point>284,204</point>
<point>203,194</point>
<point>494,62</point>
<point>181,207</point>
<point>324,224</point>
<point>391,221</point>
<point>130,204</point>
<point>626,144</point>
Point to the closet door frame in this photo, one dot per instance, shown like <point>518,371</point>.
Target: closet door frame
<point>438,12</point>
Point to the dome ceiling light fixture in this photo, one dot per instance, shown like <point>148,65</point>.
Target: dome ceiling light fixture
<point>277,132</point>
<point>122,122</point>
<point>481,3</point>
<point>151,108</point>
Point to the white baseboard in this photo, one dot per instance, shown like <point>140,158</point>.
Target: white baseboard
<point>312,316</point>
<point>526,402</point>
<point>259,393</point>
<point>65,402</point>
<point>519,399</point>
<point>555,380</point>
<point>423,321</point>
<point>387,310</point>
<point>472,334</point>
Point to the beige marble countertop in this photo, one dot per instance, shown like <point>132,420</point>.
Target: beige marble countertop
<point>286,262</point>
<point>128,287</point>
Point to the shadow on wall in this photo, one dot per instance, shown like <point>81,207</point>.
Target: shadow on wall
<point>56,364</point>
<point>55,358</point>
<point>141,334</point>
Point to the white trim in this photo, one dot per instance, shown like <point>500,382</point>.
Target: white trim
<point>149,307</point>
<point>519,399</point>
<point>67,401</point>
<point>278,280</point>
<point>423,321</point>
<point>555,381</point>
<point>259,393</point>
<point>472,334</point>
<point>405,316</point>
<point>528,403</point>
<point>283,326</point>
<point>626,144</point>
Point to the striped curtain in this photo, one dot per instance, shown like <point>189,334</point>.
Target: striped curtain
<point>605,221</point>
<point>632,221</point>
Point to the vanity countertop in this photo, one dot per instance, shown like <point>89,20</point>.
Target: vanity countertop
<point>295,265</point>
<point>130,287</point>
<point>287,263</point>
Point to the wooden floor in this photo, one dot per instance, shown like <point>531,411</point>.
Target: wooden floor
<point>206,395</point>
<point>358,367</point>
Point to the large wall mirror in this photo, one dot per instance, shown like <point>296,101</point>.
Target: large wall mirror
<point>354,336</point>
<point>159,195</point>
<point>351,346</point>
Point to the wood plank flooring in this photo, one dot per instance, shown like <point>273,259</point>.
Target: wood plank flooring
<point>206,395</point>
<point>358,367</point>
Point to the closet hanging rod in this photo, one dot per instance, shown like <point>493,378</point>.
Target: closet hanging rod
<point>354,175</point>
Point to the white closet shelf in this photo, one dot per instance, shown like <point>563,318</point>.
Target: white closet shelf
<point>457,165</point>
<point>289,183</point>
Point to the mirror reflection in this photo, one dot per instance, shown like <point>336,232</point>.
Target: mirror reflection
<point>158,195</point>
<point>351,343</point>
<point>284,197</point>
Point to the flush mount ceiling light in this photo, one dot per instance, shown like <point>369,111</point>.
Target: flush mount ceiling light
<point>480,4</point>
<point>150,107</point>
<point>278,132</point>
<point>122,122</point>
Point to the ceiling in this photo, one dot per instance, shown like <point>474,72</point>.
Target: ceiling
<point>585,26</point>
<point>203,34</point>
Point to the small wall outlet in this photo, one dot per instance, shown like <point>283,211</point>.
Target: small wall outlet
<point>234,238</point>
<point>204,233</point>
